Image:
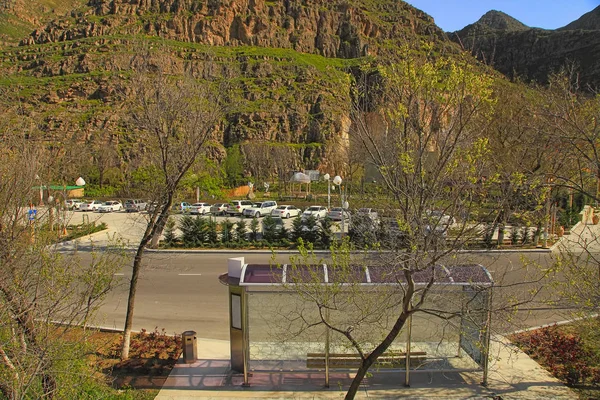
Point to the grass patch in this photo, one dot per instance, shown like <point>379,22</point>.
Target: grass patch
<point>83,229</point>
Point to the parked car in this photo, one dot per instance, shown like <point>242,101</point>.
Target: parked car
<point>235,207</point>
<point>260,209</point>
<point>437,223</point>
<point>338,213</point>
<point>200,208</point>
<point>182,207</point>
<point>286,211</point>
<point>73,204</point>
<point>317,211</point>
<point>218,209</point>
<point>151,206</point>
<point>369,212</point>
<point>91,205</point>
<point>134,205</point>
<point>110,206</point>
<point>439,218</point>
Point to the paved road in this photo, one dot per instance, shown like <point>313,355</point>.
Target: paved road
<point>179,292</point>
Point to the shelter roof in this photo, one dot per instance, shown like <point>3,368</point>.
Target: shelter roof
<point>286,274</point>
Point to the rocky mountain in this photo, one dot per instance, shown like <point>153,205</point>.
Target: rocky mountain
<point>493,22</point>
<point>532,54</point>
<point>587,22</point>
<point>291,62</point>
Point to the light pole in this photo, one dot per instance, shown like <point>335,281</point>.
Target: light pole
<point>337,180</point>
<point>327,177</point>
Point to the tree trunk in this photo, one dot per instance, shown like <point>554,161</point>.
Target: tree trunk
<point>49,386</point>
<point>160,226</point>
<point>137,266</point>
<point>378,351</point>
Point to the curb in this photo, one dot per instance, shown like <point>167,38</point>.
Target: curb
<point>78,246</point>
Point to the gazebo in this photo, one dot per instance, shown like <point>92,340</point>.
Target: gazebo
<point>263,299</point>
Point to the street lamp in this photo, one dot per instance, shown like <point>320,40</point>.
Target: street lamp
<point>327,177</point>
<point>337,180</point>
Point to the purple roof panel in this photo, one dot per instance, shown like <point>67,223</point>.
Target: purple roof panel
<point>305,274</point>
<point>346,274</point>
<point>473,273</point>
<point>262,273</point>
<point>456,274</point>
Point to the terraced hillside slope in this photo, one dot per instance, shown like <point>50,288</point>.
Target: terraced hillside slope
<point>291,63</point>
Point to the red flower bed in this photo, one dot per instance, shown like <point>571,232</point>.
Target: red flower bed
<point>562,353</point>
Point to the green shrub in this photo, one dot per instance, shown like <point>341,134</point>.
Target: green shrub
<point>269,229</point>
<point>194,231</point>
<point>226,231</point>
<point>254,227</point>
<point>170,236</point>
<point>240,230</point>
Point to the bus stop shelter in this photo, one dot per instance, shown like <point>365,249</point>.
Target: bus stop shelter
<point>266,300</point>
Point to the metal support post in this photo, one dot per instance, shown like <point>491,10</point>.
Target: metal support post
<point>407,357</point>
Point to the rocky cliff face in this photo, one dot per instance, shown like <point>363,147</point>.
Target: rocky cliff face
<point>289,60</point>
<point>533,54</point>
<point>329,28</point>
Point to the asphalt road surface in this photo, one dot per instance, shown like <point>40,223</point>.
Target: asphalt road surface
<point>179,292</point>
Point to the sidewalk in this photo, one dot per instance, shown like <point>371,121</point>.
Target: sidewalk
<point>513,375</point>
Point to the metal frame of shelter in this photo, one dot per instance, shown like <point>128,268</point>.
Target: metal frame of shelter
<point>474,338</point>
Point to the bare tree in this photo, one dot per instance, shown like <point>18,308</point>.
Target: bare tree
<point>572,118</point>
<point>43,294</point>
<point>174,116</point>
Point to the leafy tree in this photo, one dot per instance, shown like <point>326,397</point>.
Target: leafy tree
<point>418,121</point>
<point>269,229</point>
<point>212,235</point>
<point>297,225</point>
<point>170,235</point>
<point>309,231</point>
<point>44,294</point>
<point>193,230</point>
<point>254,229</point>
<point>226,231</point>
<point>325,232</point>
<point>206,175</point>
<point>234,166</point>
<point>240,230</point>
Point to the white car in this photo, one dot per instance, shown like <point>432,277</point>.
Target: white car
<point>199,208</point>
<point>369,212</point>
<point>338,213</point>
<point>316,211</point>
<point>260,209</point>
<point>73,204</point>
<point>236,207</point>
<point>436,217</point>
<point>110,206</point>
<point>218,208</point>
<point>91,205</point>
<point>285,211</point>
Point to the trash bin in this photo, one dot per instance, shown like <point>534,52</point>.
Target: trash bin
<point>190,347</point>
